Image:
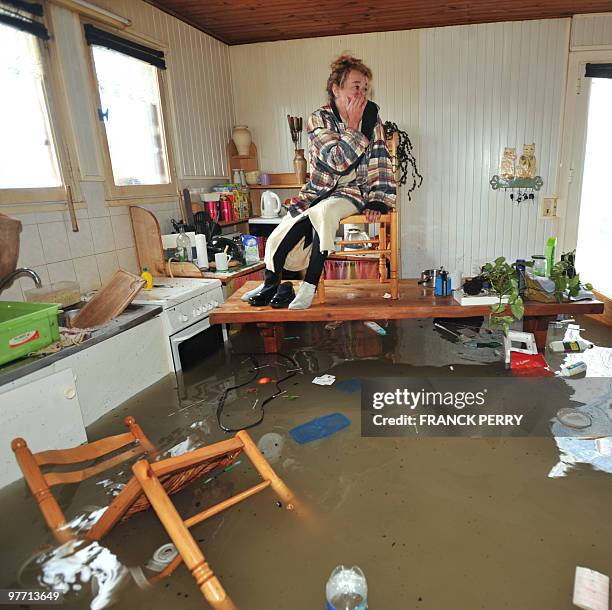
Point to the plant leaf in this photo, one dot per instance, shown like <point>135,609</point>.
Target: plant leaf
<point>518,309</point>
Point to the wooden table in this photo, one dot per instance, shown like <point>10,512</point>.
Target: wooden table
<point>363,300</point>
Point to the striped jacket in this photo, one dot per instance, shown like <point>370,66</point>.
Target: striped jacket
<point>334,149</point>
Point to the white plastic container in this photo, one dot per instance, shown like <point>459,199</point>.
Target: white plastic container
<point>64,293</point>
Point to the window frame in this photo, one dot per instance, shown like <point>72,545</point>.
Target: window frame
<point>125,195</point>
<point>58,125</point>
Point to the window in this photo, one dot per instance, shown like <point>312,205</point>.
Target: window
<point>30,169</point>
<point>131,109</point>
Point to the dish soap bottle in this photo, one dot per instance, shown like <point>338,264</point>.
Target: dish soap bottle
<point>147,277</point>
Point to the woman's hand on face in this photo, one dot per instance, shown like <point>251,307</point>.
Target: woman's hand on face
<point>354,110</point>
<point>372,215</point>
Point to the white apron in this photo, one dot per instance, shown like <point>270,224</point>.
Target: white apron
<point>325,217</point>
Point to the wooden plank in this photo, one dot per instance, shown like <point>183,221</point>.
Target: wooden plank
<point>244,22</point>
<point>110,301</point>
<point>363,300</point>
<point>147,236</point>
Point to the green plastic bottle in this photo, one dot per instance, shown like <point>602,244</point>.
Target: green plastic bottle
<point>551,246</point>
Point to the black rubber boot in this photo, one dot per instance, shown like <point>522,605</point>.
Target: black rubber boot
<point>265,295</point>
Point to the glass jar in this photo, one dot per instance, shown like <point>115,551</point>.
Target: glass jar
<point>539,265</point>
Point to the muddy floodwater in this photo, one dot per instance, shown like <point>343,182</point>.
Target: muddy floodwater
<point>439,523</point>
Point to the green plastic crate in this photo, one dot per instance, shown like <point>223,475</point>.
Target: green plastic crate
<point>26,327</point>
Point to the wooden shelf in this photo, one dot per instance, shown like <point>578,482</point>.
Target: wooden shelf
<point>234,222</point>
<point>260,187</point>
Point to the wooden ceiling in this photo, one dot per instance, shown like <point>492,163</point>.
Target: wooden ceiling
<point>248,21</point>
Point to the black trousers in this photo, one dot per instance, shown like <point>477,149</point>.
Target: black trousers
<point>301,229</point>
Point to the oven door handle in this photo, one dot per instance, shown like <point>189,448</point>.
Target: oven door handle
<point>196,329</point>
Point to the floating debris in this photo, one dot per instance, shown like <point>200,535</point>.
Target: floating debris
<point>324,380</point>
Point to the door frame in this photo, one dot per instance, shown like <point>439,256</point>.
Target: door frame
<point>575,121</point>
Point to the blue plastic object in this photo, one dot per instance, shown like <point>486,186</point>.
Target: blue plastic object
<point>348,386</point>
<point>319,428</point>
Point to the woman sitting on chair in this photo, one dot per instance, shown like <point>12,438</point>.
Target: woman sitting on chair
<point>351,173</point>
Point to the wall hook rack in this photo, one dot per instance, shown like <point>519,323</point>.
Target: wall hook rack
<point>526,187</point>
<point>535,184</point>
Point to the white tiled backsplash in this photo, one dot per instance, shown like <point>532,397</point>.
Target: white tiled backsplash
<point>103,244</point>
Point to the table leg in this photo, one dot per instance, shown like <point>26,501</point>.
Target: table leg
<point>538,325</point>
<point>273,335</point>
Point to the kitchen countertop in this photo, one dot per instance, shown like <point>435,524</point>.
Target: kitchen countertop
<point>133,316</point>
<point>232,272</point>
<point>258,220</point>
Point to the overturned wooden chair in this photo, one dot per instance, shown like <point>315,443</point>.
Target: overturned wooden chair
<point>384,246</point>
<point>152,485</point>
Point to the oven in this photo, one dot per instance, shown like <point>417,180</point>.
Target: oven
<point>196,342</point>
<point>186,304</point>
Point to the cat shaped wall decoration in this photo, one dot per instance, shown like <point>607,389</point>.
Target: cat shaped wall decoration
<point>527,162</point>
<point>507,163</point>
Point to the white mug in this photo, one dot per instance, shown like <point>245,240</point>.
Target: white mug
<point>222,261</point>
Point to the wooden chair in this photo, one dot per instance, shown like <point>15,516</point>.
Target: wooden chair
<point>385,246</point>
<point>150,477</point>
<point>152,485</point>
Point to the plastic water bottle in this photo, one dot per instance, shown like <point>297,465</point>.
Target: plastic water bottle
<point>347,589</point>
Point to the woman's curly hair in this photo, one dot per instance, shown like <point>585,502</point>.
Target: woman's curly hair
<point>340,68</point>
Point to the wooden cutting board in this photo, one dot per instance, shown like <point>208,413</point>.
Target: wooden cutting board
<point>110,301</point>
<point>147,236</point>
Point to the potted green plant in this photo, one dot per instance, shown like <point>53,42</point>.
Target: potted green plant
<point>504,280</point>
<point>564,281</point>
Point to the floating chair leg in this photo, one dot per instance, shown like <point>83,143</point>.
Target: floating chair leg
<point>193,557</point>
<point>265,470</point>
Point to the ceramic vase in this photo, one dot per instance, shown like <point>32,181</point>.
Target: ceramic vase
<point>10,228</point>
<point>242,139</point>
<point>299,166</point>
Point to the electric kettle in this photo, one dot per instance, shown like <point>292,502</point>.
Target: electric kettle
<point>270,204</point>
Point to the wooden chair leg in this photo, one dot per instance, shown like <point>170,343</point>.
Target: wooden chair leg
<point>382,261</point>
<point>137,432</point>
<point>194,559</point>
<point>265,470</point>
<point>321,288</point>
<point>393,260</point>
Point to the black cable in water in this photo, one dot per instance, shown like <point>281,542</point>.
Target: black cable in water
<point>221,403</point>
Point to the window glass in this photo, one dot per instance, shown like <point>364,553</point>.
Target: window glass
<point>28,157</point>
<point>131,110</point>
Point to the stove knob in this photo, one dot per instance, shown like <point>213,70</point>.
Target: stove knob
<point>194,313</point>
<point>184,318</point>
<point>215,303</point>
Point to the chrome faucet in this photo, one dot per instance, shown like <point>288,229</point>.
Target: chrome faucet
<point>5,281</point>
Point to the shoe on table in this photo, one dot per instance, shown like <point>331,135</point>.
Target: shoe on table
<point>284,295</point>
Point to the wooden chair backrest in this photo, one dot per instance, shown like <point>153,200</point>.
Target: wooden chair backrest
<point>40,483</point>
